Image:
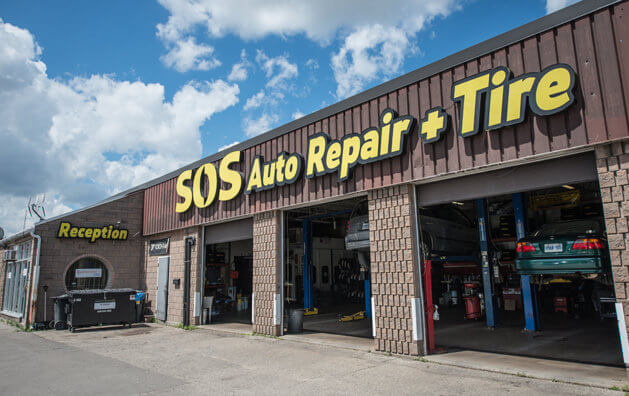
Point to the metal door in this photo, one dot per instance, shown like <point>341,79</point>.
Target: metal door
<point>163,264</point>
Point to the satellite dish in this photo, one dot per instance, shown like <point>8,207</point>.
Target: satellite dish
<point>1,233</point>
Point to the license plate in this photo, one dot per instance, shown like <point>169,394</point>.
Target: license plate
<point>364,227</point>
<point>553,247</point>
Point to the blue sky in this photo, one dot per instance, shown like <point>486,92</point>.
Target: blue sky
<point>95,92</point>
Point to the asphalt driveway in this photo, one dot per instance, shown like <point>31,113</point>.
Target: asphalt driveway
<point>155,359</point>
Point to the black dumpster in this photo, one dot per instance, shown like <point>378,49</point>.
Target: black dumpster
<point>60,321</point>
<point>101,307</point>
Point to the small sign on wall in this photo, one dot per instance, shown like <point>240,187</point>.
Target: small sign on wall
<point>159,247</point>
<point>88,273</point>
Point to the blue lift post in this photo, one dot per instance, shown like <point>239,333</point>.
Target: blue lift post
<point>528,295</point>
<point>481,214</point>
<point>307,238</point>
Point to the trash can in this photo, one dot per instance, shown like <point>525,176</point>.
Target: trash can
<point>101,307</point>
<point>295,320</point>
<point>60,321</point>
<point>207,305</point>
<point>139,306</point>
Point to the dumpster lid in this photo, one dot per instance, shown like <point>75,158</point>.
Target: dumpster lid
<point>100,291</point>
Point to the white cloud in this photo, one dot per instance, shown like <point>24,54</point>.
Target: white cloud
<point>225,147</point>
<point>13,212</point>
<point>239,70</point>
<point>256,126</point>
<point>92,136</point>
<point>318,20</point>
<point>297,114</point>
<point>555,5</point>
<point>277,69</point>
<point>312,64</point>
<point>186,54</point>
<point>255,101</point>
<point>365,54</point>
<point>321,21</point>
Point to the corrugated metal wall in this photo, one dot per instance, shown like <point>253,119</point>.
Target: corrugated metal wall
<point>596,46</point>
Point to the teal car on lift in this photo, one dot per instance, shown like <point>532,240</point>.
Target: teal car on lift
<point>569,247</point>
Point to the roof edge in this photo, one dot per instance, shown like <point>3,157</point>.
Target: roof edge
<point>5,241</point>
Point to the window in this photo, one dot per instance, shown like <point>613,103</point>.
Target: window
<point>15,280</point>
<point>87,273</point>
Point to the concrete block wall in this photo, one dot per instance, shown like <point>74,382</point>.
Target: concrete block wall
<point>266,271</point>
<point>123,258</point>
<point>394,268</point>
<point>612,163</point>
<point>174,313</point>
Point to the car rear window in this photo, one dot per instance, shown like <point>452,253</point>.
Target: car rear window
<point>569,228</point>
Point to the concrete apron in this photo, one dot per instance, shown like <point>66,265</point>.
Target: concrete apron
<point>552,370</point>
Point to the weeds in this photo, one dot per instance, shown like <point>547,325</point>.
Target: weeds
<point>17,325</point>
<point>189,327</point>
<point>266,335</point>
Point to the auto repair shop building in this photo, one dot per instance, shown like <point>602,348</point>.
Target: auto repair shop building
<point>527,129</point>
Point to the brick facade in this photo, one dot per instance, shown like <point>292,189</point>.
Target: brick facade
<point>123,258</point>
<point>174,313</point>
<point>266,271</point>
<point>394,268</point>
<point>612,162</point>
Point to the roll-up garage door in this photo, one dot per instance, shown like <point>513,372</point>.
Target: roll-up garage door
<point>574,169</point>
<point>230,231</point>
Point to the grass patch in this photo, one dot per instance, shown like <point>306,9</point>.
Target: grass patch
<point>265,335</point>
<point>17,325</point>
<point>189,327</point>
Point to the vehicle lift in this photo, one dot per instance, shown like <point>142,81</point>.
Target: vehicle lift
<point>531,311</point>
<point>309,307</point>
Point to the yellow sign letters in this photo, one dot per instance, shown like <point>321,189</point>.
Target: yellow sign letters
<point>492,96</point>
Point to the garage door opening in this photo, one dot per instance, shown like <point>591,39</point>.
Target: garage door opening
<point>228,273</point>
<point>327,267</point>
<point>523,273</point>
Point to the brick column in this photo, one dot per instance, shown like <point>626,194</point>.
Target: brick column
<point>266,272</point>
<point>612,163</point>
<point>394,268</point>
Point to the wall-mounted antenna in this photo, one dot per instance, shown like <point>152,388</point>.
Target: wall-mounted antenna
<point>35,208</point>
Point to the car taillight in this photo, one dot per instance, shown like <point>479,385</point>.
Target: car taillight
<point>347,228</point>
<point>524,247</point>
<point>587,244</point>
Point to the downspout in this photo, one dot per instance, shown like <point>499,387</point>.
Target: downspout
<point>31,309</point>
<point>186,281</point>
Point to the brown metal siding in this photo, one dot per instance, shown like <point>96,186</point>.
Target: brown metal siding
<point>597,48</point>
